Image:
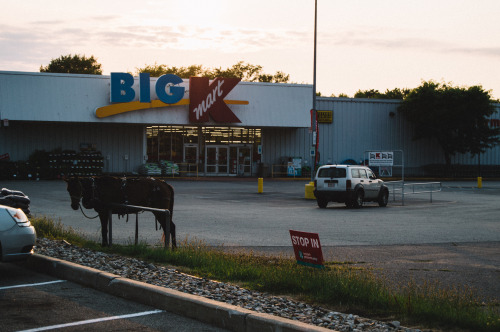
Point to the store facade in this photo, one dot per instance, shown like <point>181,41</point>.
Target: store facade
<point>208,129</point>
<point>215,128</point>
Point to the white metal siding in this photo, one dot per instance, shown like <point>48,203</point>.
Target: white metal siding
<point>361,125</point>
<point>364,124</point>
<point>21,139</point>
<point>74,98</point>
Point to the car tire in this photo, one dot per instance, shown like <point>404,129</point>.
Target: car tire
<point>357,201</point>
<point>322,203</point>
<point>383,198</point>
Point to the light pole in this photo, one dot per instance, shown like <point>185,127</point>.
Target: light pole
<point>313,115</point>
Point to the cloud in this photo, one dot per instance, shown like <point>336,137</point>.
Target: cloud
<point>383,39</point>
<point>480,51</point>
<point>41,40</point>
<point>107,31</point>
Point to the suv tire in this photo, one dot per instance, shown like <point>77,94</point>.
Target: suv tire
<point>383,198</point>
<point>357,201</point>
<point>322,202</point>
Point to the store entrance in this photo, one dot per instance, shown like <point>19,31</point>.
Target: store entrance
<point>190,161</point>
<point>211,151</point>
<point>217,161</point>
<point>241,160</point>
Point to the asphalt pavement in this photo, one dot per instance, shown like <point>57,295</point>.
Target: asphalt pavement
<point>38,302</point>
<point>233,213</point>
<point>454,238</point>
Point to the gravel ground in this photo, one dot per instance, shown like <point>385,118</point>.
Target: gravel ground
<point>224,292</point>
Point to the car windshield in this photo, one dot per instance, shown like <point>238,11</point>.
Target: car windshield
<point>332,172</point>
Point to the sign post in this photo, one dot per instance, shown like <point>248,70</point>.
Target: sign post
<point>307,248</point>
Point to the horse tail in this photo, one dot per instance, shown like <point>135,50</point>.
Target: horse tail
<point>171,206</point>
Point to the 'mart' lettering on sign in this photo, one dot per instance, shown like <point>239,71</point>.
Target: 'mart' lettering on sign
<point>207,100</point>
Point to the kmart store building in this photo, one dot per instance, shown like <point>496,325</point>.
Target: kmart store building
<point>209,128</point>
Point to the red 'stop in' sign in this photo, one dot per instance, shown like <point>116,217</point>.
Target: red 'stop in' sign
<point>307,248</point>
<point>207,100</point>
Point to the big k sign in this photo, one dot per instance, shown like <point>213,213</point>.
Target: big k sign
<point>206,100</point>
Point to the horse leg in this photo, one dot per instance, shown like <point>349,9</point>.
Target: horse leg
<point>162,219</point>
<point>172,232</point>
<point>103,216</point>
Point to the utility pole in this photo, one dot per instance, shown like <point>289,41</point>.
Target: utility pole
<point>313,115</point>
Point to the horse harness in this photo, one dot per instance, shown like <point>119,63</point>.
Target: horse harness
<point>94,197</point>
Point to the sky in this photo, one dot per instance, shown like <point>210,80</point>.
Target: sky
<point>361,44</point>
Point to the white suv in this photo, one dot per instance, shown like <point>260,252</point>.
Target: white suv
<point>349,184</point>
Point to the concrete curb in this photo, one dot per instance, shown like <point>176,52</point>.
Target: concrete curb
<point>196,307</point>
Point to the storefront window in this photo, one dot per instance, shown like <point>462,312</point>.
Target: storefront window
<point>218,150</point>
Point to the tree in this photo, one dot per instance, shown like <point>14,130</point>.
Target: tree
<point>395,93</point>
<point>73,64</point>
<point>341,95</point>
<point>245,71</point>
<point>279,77</point>
<point>157,70</point>
<point>375,94</point>
<point>455,117</point>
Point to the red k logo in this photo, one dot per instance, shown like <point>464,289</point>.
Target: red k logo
<point>207,100</point>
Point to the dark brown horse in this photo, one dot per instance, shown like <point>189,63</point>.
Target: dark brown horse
<point>100,193</point>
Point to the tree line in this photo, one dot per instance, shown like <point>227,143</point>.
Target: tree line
<point>80,64</point>
<point>457,118</point>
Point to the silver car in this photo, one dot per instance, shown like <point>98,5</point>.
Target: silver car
<point>17,235</point>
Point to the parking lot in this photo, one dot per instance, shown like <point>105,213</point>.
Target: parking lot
<point>30,301</point>
<point>459,232</point>
<point>232,213</point>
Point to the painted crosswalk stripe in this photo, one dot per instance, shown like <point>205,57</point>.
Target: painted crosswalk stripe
<point>33,285</point>
<point>92,321</point>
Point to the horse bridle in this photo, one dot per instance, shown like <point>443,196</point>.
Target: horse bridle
<point>92,197</point>
<point>81,209</point>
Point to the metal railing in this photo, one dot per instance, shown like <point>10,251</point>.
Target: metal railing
<point>413,188</point>
<point>134,209</point>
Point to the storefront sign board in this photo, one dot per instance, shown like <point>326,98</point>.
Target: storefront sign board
<point>381,158</point>
<point>206,99</point>
<point>325,116</point>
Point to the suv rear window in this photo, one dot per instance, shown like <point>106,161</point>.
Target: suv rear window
<point>332,172</point>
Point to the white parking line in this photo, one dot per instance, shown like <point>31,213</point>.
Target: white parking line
<point>32,285</point>
<point>91,321</point>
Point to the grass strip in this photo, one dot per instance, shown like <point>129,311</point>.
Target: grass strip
<point>337,285</point>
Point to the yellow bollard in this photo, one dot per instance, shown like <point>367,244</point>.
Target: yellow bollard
<point>309,194</point>
<point>260,189</point>
<point>479,182</point>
